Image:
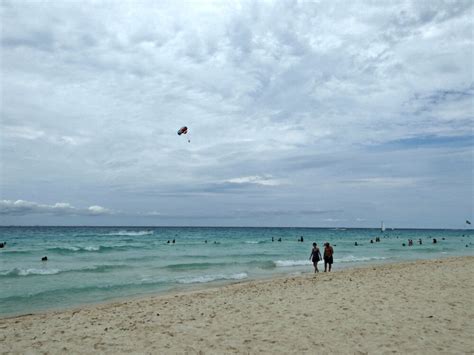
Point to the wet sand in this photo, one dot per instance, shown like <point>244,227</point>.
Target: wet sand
<point>423,307</point>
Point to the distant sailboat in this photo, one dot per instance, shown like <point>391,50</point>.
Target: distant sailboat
<point>382,228</point>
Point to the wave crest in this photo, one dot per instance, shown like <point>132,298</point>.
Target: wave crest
<point>18,272</point>
<point>131,233</point>
<point>91,248</point>
<point>355,259</point>
<point>211,278</point>
<point>286,263</point>
<point>27,272</point>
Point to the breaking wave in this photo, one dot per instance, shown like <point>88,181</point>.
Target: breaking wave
<point>131,233</point>
<point>91,248</point>
<point>19,272</point>
<point>211,278</point>
<point>286,263</point>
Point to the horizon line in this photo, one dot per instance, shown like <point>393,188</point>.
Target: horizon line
<point>389,229</point>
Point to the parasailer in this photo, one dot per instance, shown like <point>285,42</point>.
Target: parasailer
<point>183,130</point>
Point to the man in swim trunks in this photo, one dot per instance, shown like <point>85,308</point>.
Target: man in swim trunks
<point>328,253</point>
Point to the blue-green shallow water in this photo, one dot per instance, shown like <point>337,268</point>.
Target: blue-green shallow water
<point>96,264</point>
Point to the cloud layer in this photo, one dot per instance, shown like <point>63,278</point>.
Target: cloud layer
<point>21,208</point>
<point>291,106</point>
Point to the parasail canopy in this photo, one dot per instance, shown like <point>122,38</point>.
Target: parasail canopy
<point>182,130</point>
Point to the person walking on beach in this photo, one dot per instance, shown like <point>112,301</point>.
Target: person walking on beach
<point>328,253</point>
<point>315,256</point>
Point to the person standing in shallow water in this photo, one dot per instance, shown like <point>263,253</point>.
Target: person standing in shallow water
<point>328,259</point>
<point>315,256</point>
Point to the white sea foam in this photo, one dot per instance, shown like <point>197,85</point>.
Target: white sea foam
<point>286,263</point>
<point>354,259</point>
<point>26,272</point>
<point>131,233</point>
<point>91,248</point>
<point>210,278</point>
<point>47,271</point>
<point>345,259</point>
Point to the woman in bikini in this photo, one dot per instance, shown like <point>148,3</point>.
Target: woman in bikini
<point>315,256</point>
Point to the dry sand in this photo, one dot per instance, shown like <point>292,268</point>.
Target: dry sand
<point>423,307</point>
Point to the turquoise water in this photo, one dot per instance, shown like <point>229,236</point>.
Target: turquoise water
<point>96,264</point>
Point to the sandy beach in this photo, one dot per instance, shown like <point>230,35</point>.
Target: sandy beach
<point>422,307</point>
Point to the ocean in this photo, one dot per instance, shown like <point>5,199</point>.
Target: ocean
<point>97,264</point>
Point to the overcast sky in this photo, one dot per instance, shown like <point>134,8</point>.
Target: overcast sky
<point>322,113</point>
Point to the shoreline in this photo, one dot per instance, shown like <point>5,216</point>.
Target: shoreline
<point>416,306</point>
<point>192,288</point>
<point>216,285</point>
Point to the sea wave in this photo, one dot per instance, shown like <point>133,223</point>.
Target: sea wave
<point>194,266</point>
<point>262,264</point>
<point>108,290</point>
<point>354,259</point>
<point>90,248</point>
<point>19,272</point>
<point>16,252</point>
<point>64,249</point>
<point>344,259</point>
<point>73,292</point>
<point>253,255</point>
<point>131,233</point>
<point>101,268</point>
<point>28,272</point>
<point>211,278</point>
<point>286,263</point>
<point>432,250</point>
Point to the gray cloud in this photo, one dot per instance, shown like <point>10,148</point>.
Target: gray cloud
<point>21,208</point>
<point>239,214</point>
<point>288,104</point>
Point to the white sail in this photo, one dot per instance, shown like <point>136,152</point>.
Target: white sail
<point>382,228</point>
